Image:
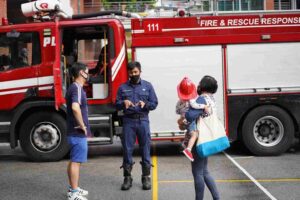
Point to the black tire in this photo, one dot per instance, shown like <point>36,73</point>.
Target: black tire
<point>268,130</point>
<point>51,126</point>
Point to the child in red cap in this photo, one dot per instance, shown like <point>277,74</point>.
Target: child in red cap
<point>187,94</point>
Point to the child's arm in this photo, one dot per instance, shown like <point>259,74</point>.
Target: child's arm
<point>193,114</point>
<point>195,105</point>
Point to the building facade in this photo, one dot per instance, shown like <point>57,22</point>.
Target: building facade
<point>248,5</point>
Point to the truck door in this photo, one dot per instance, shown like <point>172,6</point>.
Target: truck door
<point>58,71</point>
<point>20,58</point>
<point>92,46</point>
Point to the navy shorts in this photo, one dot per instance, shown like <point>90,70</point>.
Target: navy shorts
<point>78,149</point>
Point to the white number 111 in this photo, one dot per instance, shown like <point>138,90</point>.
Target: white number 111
<point>153,27</point>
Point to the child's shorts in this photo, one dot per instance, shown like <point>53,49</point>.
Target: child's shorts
<point>192,126</point>
<point>78,149</point>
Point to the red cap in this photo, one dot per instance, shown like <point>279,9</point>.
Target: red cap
<point>186,89</point>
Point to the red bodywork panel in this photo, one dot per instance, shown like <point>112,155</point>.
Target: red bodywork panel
<point>215,30</point>
<point>208,30</point>
<point>15,82</point>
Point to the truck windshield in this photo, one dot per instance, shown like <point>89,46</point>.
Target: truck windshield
<point>17,52</point>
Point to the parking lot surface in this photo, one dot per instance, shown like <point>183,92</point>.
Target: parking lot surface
<point>239,175</point>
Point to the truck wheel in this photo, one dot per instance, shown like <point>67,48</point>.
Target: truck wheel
<point>43,137</point>
<point>268,130</point>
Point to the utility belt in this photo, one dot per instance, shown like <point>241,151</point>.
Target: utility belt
<point>136,116</point>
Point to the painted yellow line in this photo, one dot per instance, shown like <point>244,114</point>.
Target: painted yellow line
<point>181,181</point>
<point>280,180</point>
<point>154,175</point>
<point>238,180</point>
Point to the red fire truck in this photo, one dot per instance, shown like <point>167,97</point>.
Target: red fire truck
<point>255,59</point>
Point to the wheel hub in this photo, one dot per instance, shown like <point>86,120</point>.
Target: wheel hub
<point>45,137</point>
<point>268,131</point>
<point>265,130</point>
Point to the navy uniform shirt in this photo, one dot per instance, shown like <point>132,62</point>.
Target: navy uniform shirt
<point>76,94</point>
<point>143,91</point>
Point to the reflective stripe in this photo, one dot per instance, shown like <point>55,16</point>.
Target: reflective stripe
<point>29,82</point>
<point>139,31</point>
<point>45,88</point>
<point>117,65</point>
<point>4,123</point>
<point>45,80</point>
<point>24,90</point>
<point>226,27</point>
<point>13,92</point>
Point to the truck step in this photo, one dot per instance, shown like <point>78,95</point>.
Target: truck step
<point>99,121</point>
<point>168,135</point>
<point>99,140</point>
<point>101,127</point>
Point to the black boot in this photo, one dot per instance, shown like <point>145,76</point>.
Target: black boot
<point>146,179</point>
<point>127,178</point>
<point>127,183</point>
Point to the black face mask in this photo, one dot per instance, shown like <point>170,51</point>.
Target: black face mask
<point>134,79</point>
<point>87,79</point>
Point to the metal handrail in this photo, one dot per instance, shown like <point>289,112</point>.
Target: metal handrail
<point>139,6</point>
<point>251,12</point>
<point>117,2</point>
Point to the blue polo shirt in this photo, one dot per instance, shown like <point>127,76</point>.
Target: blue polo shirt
<point>143,91</point>
<point>76,94</point>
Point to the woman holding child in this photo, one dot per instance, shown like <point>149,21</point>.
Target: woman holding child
<point>191,107</point>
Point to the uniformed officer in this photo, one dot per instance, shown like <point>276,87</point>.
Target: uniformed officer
<point>136,98</point>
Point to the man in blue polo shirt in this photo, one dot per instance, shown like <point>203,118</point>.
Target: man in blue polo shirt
<point>136,98</point>
<point>77,129</point>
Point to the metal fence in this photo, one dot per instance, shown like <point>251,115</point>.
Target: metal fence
<point>138,6</point>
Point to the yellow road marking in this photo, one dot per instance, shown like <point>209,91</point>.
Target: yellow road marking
<point>239,180</point>
<point>154,175</point>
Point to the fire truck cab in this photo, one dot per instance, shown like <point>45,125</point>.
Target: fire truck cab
<point>34,63</point>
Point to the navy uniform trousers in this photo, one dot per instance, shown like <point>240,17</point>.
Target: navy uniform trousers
<point>132,129</point>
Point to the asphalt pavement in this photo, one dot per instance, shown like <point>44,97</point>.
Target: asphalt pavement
<point>239,175</point>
